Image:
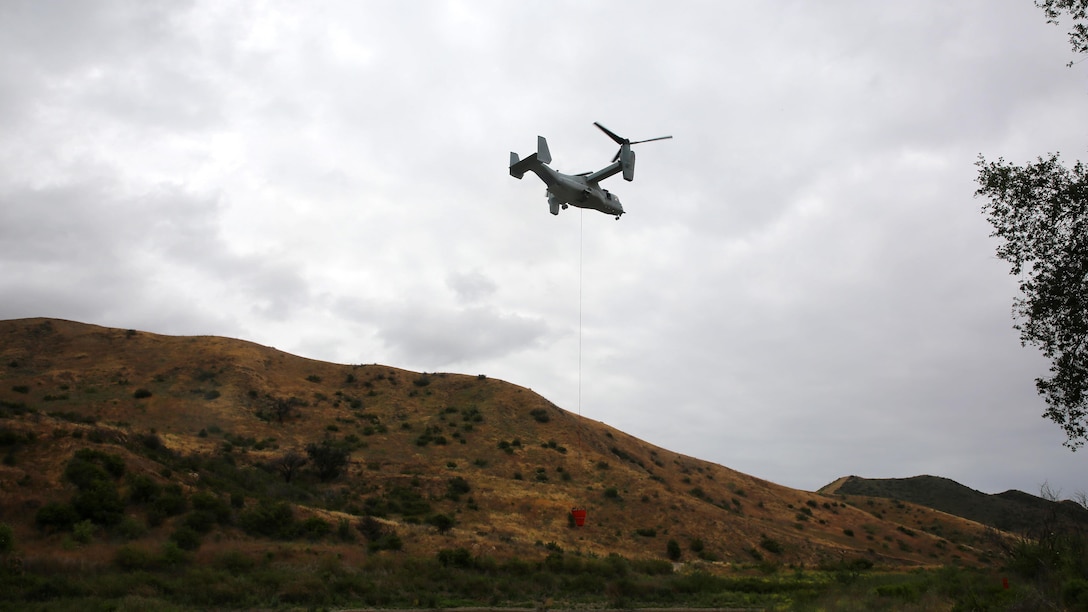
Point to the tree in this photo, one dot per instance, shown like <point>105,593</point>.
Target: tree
<point>1077,10</point>
<point>1040,211</point>
<point>328,459</point>
<point>288,464</point>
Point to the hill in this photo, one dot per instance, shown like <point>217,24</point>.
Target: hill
<point>112,437</point>
<point>1013,511</point>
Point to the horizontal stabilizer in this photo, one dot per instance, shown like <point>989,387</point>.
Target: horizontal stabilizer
<point>518,168</point>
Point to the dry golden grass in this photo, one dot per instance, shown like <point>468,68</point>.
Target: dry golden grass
<point>221,386</point>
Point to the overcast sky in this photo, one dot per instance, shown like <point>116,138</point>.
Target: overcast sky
<point>803,288</point>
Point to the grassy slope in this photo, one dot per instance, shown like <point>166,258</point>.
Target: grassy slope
<point>519,500</point>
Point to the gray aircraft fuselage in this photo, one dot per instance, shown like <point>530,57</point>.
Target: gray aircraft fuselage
<point>579,190</point>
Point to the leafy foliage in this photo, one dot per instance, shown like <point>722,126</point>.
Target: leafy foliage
<point>1040,211</point>
<point>1078,11</point>
<point>328,459</point>
<point>271,520</point>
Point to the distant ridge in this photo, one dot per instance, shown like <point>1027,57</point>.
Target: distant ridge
<point>1012,510</point>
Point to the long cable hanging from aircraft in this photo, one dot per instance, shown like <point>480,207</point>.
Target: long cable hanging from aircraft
<point>578,513</point>
<point>581,191</point>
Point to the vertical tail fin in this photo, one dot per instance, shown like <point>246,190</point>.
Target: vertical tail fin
<point>542,155</point>
<point>542,152</point>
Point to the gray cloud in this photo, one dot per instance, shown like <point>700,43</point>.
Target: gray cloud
<point>803,286</point>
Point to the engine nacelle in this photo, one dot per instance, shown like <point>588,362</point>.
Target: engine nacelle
<point>627,163</point>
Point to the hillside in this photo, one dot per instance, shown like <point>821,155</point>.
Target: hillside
<point>1013,511</point>
<point>239,436</point>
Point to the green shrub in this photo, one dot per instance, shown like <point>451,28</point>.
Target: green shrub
<point>456,557</point>
<point>141,393</point>
<point>131,528</point>
<point>132,558</point>
<point>171,502</point>
<point>7,538</point>
<point>343,530</point>
<point>212,505</point>
<point>99,502</point>
<point>672,549</point>
<point>83,532</point>
<point>234,561</point>
<point>200,521</point>
<point>441,522</point>
<point>770,545</point>
<point>186,538</point>
<point>270,520</point>
<point>316,528</point>
<point>328,459</point>
<point>55,515</point>
<point>540,415</point>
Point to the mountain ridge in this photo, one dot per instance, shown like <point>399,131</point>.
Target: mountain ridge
<point>1012,510</point>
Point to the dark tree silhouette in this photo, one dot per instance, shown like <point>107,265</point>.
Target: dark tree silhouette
<point>328,459</point>
<point>1040,211</point>
<point>288,464</point>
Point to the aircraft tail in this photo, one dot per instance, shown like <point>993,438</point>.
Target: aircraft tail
<point>542,156</point>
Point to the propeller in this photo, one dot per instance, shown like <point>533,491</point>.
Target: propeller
<point>623,142</point>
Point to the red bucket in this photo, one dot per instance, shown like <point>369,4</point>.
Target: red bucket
<point>579,515</point>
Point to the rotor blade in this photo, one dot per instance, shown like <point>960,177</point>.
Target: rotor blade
<point>618,153</point>
<point>611,134</point>
<point>652,139</point>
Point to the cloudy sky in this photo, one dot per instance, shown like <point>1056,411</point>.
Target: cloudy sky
<point>803,288</point>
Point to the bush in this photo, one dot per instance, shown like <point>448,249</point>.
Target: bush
<point>456,557</point>
<point>7,538</point>
<point>142,489</point>
<point>83,532</point>
<point>456,487</point>
<point>186,538</point>
<point>114,465</point>
<point>441,522</point>
<point>328,459</point>
<point>171,502</point>
<point>672,549</point>
<point>131,559</point>
<point>200,521</point>
<point>770,545</point>
<point>212,505</point>
<point>141,393</point>
<point>316,528</point>
<point>131,528</point>
<point>57,516</point>
<point>270,520</point>
<point>540,415</point>
<point>99,502</point>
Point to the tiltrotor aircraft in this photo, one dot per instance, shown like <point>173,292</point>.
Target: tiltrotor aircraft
<point>580,190</point>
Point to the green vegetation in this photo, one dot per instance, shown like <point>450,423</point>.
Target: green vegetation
<point>7,538</point>
<point>166,577</point>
